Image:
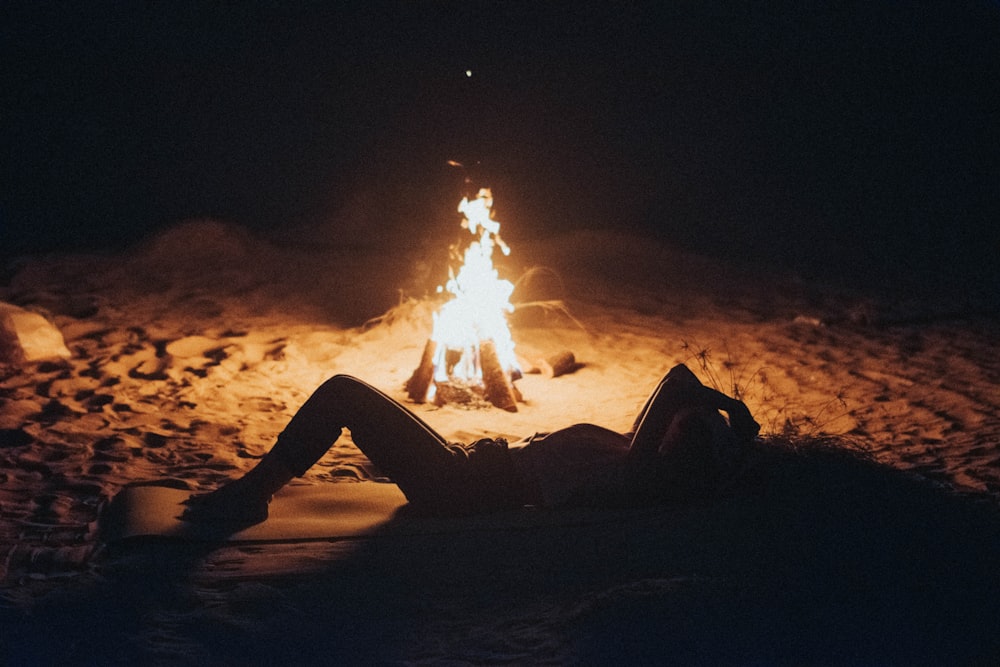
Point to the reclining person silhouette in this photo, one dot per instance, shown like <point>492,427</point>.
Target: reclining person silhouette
<point>679,446</point>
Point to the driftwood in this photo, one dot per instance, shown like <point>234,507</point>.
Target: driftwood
<point>499,389</point>
<point>418,384</point>
<point>558,364</point>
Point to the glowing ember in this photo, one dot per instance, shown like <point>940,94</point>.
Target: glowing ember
<point>475,317</point>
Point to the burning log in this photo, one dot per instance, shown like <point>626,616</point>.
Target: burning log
<point>418,384</point>
<point>499,389</point>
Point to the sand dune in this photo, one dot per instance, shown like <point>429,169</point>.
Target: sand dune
<point>190,353</point>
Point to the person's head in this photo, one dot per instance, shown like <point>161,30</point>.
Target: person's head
<point>698,450</point>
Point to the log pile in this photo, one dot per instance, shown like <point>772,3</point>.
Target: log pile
<point>497,386</point>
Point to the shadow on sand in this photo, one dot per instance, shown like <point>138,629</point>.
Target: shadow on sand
<point>818,556</point>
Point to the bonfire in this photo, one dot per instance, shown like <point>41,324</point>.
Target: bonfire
<point>469,357</point>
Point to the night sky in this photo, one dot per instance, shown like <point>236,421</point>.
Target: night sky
<point>860,140</point>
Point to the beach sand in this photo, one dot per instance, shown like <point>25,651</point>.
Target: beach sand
<point>191,351</point>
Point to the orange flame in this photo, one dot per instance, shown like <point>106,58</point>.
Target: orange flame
<point>479,304</point>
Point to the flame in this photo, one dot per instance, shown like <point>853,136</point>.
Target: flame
<point>479,305</point>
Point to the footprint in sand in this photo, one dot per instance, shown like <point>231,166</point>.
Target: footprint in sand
<point>52,412</point>
<point>41,460</point>
<point>14,437</point>
<point>150,366</point>
<point>199,355</point>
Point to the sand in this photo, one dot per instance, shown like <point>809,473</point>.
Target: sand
<point>191,351</point>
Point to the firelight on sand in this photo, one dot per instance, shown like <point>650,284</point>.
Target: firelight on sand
<point>470,335</point>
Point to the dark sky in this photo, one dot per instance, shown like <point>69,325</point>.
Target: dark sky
<point>793,132</point>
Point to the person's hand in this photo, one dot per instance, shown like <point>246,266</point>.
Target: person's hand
<point>742,422</point>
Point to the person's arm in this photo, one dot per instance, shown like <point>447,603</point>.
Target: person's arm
<point>680,390</point>
<point>740,419</point>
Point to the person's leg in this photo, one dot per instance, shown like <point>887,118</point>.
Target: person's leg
<point>678,390</point>
<point>393,438</point>
<point>398,442</point>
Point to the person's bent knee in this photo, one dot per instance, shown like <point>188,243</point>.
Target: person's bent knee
<point>340,385</point>
<point>681,373</point>
<point>338,380</point>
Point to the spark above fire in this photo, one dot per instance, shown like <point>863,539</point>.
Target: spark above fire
<point>470,352</point>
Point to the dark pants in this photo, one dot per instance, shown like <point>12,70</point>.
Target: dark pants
<point>429,471</point>
<point>676,394</point>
